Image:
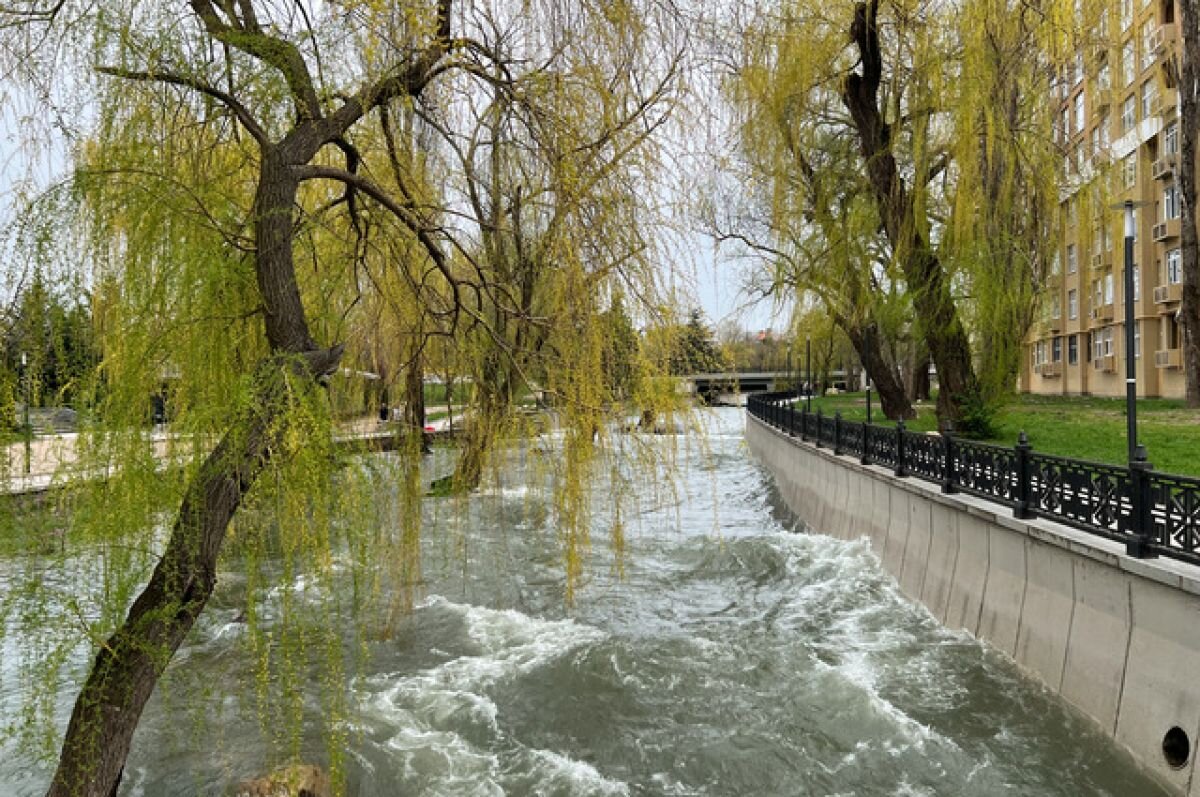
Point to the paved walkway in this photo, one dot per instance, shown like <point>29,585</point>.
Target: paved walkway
<point>53,459</point>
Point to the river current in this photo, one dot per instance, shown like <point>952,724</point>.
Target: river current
<point>737,654</point>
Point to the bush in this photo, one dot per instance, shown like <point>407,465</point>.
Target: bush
<point>978,419</point>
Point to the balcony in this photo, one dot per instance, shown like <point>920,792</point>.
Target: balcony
<point>1106,364</point>
<point>1165,103</point>
<point>1102,314</point>
<point>1164,167</point>
<point>1167,295</point>
<point>1102,261</point>
<point>1163,38</point>
<point>1102,99</point>
<point>1049,370</point>
<point>1168,358</point>
<point>1165,230</point>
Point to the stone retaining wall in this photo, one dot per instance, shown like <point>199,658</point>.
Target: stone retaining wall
<point>1118,638</point>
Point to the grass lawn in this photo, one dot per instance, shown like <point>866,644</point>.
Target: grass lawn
<point>1080,427</point>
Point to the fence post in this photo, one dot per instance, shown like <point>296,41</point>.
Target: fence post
<point>1141,521</point>
<point>817,436</point>
<point>1024,487</point>
<point>803,423</point>
<point>837,432</point>
<point>865,459</point>
<point>948,459</point>
<point>900,471</point>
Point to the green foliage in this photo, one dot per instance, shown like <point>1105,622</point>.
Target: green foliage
<point>978,420</point>
<point>694,348</point>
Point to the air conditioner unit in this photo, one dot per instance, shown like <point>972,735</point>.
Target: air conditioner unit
<point>1168,358</point>
<point>1167,294</point>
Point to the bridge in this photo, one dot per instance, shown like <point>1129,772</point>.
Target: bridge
<point>732,387</point>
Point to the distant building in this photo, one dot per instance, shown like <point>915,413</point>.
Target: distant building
<point>1118,107</point>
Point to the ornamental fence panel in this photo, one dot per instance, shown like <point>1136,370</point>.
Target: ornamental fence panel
<point>1152,513</point>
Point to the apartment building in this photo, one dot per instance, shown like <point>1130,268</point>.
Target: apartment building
<point>1118,125</point>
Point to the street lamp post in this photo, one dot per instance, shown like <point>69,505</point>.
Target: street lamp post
<point>866,372</point>
<point>28,429</point>
<point>1128,207</point>
<point>808,387</point>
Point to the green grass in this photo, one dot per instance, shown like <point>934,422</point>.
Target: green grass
<point>1080,427</point>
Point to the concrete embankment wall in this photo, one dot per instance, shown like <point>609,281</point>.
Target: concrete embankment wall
<point>1118,638</point>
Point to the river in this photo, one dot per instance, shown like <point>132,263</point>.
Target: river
<point>738,654</point>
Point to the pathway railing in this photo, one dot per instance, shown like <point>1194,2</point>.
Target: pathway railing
<point>1152,513</point>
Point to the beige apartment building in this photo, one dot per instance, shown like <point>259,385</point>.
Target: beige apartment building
<point>1118,125</point>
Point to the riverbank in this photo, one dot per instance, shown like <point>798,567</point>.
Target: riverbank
<point>1079,427</point>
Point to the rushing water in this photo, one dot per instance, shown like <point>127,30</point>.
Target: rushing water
<point>738,655</point>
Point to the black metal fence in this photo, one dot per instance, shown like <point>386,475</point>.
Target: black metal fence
<point>1151,513</point>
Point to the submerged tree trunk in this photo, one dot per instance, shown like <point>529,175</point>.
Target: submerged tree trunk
<point>479,436</point>
<point>1189,121</point>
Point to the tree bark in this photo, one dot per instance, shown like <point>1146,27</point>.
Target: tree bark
<point>936,315</point>
<point>865,340</point>
<point>1189,121</point>
<point>129,664</point>
<point>918,382</point>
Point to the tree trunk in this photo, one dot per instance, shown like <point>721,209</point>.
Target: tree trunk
<point>936,315</point>
<point>414,399</point>
<point>130,662</point>
<point>918,383</point>
<point>128,666</point>
<point>892,399</point>
<point>1189,121</point>
<point>481,433</point>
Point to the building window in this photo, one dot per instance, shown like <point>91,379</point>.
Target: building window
<point>1104,77</point>
<point>1103,127</point>
<point>1072,304</point>
<point>1072,259</point>
<point>1174,267</point>
<point>1126,14</point>
<point>1066,124</point>
<point>1079,112</point>
<point>1137,284</point>
<point>1147,50</point>
<point>1073,350</point>
<point>1056,306</point>
<point>1129,169</point>
<point>1057,351</point>
<point>1171,139</point>
<point>1149,92</point>
<point>1102,343</point>
<point>1137,340</point>
<point>1128,113</point>
<point>1039,353</point>
<point>1170,204</point>
<point>1108,288</point>
<point>1128,63</point>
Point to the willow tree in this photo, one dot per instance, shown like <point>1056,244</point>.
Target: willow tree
<point>553,171</point>
<point>1003,227</point>
<point>938,118</point>
<point>814,226</point>
<point>238,197</point>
